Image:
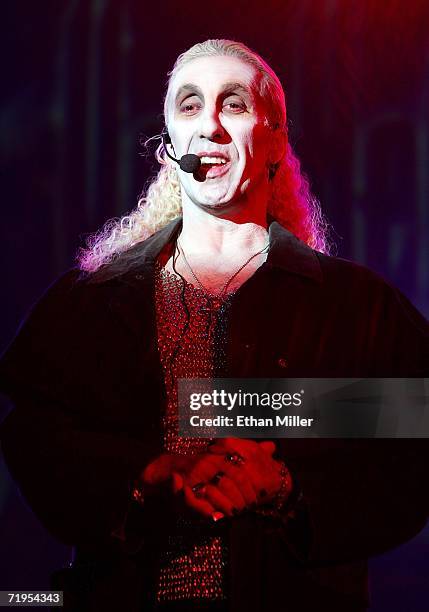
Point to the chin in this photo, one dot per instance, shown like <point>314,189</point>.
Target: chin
<point>217,198</point>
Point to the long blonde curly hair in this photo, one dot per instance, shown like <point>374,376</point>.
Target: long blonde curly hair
<point>291,202</point>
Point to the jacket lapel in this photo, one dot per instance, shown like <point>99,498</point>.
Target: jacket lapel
<point>133,301</point>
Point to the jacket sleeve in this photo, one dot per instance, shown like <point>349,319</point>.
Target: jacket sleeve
<point>362,497</point>
<point>76,473</point>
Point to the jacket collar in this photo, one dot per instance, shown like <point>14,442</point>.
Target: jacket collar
<point>132,303</point>
<point>290,254</point>
<point>286,251</point>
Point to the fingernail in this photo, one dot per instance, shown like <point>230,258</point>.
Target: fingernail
<point>216,516</point>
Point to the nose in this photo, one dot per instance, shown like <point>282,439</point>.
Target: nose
<point>211,126</point>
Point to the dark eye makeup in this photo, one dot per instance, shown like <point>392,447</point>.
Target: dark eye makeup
<point>192,103</point>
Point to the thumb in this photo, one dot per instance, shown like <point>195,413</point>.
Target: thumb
<point>158,471</point>
<point>176,482</point>
<point>269,447</point>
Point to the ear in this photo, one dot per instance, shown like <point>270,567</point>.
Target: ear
<point>278,145</point>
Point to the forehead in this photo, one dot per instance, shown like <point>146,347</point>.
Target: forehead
<point>211,74</point>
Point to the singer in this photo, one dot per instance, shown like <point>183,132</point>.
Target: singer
<point>223,269</point>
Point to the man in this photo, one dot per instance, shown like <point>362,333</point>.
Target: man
<point>214,274</point>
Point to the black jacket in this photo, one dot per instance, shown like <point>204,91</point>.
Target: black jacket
<point>85,378</point>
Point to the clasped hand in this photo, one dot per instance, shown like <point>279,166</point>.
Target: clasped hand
<point>233,475</point>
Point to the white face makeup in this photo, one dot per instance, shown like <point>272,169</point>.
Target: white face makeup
<point>215,111</point>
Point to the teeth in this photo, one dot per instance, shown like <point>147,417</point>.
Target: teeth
<point>213,160</point>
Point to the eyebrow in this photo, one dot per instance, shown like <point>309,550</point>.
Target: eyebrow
<point>226,89</point>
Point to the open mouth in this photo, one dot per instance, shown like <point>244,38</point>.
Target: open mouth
<point>212,167</point>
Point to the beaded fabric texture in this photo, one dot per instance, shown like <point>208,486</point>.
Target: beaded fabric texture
<point>191,344</point>
<point>192,328</point>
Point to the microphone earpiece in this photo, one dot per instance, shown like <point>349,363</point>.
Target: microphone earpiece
<point>188,163</point>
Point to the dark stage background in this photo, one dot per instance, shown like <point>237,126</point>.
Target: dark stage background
<point>82,85</point>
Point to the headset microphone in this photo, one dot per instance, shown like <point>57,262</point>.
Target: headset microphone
<point>188,163</point>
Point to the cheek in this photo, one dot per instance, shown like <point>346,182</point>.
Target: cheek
<point>181,138</point>
<point>256,142</point>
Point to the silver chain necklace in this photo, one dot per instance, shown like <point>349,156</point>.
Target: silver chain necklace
<point>216,301</point>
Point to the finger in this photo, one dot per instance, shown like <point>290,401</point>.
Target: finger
<point>220,501</point>
<point>257,468</point>
<point>235,495</point>
<point>251,475</point>
<point>158,471</point>
<point>161,468</point>
<point>200,505</point>
<point>217,449</point>
<point>182,463</point>
<point>242,481</point>
<point>268,446</point>
<point>176,482</point>
<point>204,469</point>
<point>255,474</point>
<point>266,478</point>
